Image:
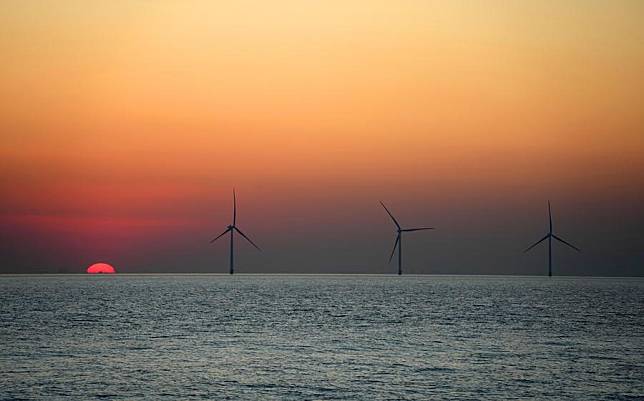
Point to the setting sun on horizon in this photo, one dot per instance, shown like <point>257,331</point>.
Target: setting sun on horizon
<point>101,268</point>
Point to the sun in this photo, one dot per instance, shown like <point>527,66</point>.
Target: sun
<point>101,268</point>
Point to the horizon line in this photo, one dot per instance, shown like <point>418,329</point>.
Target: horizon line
<point>311,274</point>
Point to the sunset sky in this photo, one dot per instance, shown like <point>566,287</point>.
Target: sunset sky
<point>124,126</point>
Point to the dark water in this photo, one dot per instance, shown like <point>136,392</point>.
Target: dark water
<point>279,337</point>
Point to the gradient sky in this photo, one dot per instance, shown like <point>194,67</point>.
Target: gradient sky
<point>124,126</point>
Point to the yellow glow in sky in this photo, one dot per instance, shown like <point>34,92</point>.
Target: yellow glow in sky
<point>125,92</point>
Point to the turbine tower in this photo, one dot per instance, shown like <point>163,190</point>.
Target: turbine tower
<point>231,229</point>
<point>549,237</point>
<point>398,242</point>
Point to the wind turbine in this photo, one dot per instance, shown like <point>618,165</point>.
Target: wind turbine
<point>398,242</point>
<point>231,229</point>
<point>549,237</point>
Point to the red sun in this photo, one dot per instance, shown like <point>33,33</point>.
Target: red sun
<point>101,268</point>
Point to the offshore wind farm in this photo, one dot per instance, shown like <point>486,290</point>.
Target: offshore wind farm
<point>397,248</point>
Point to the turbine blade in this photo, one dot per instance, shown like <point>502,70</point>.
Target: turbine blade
<point>394,250</point>
<point>567,243</point>
<point>247,239</point>
<point>234,207</point>
<point>220,235</point>
<point>537,243</point>
<point>390,215</point>
<point>418,229</point>
<point>550,216</point>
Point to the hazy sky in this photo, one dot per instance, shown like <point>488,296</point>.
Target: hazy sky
<point>124,126</point>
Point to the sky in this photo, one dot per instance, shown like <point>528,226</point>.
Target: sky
<point>124,126</point>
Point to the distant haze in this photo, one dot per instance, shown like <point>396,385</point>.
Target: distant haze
<point>124,127</point>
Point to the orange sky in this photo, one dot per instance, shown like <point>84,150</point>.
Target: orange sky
<point>133,110</point>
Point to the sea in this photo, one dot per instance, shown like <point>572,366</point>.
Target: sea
<point>320,337</point>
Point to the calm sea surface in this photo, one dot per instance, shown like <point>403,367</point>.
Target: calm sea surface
<point>283,337</point>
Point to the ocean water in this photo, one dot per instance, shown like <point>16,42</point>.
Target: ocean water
<point>289,337</point>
